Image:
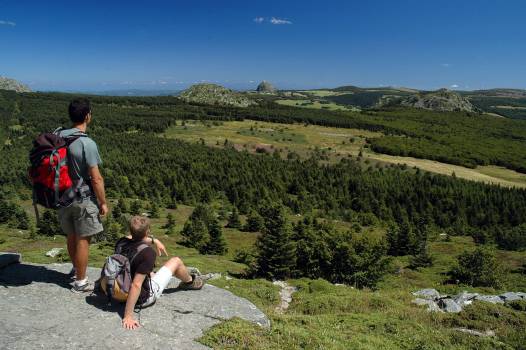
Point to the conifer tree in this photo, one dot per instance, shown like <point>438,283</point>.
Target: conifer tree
<point>135,208</point>
<point>233,219</point>
<point>254,222</point>
<point>216,243</point>
<point>121,203</point>
<point>154,211</point>
<point>170,221</point>
<point>422,258</point>
<point>276,250</point>
<point>195,233</point>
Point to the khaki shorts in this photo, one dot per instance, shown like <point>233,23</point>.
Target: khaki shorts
<point>81,218</point>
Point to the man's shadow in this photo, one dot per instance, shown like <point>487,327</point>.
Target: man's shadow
<point>17,275</point>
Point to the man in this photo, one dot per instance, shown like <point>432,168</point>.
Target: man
<point>81,220</point>
<point>147,286</point>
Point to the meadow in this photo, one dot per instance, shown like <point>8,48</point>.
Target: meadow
<point>338,143</point>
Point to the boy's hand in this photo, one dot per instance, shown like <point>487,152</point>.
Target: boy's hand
<point>160,248</point>
<point>130,323</point>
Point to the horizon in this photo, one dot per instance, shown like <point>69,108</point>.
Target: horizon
<point>169,46</point>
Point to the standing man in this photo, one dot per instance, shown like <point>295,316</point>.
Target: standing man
<point>82,219</point>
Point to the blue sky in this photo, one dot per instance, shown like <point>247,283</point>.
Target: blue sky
<point>105,45</point>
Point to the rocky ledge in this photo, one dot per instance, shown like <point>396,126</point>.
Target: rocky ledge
<point>455,303</point>
<point>40,311</point>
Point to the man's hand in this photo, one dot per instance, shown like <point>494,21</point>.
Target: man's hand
<point>160,248</point>
<point>103,210</point>
<point>130,323</point>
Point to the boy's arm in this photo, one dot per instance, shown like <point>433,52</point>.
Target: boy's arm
<point>128,320</point>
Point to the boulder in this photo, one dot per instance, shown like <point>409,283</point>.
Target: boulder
<point>427,293</point>
<point>512,296</point>
<point>494,299</point>
<point>465,298</point>
<point>449,305</point>
<point>431,305</point>
<point>54,252</point>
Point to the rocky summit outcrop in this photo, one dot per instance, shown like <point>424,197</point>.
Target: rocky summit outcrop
<point>212,94</point>
<point>40,312</point>
<point>12,84</point>
<point>455,303</point>
<point>442,100</point>
<point>266,88</point>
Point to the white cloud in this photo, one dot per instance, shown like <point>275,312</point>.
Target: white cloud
<point>8,23</point>
<point>454,86</point>
<point>275,20</point>
<point>259,20</point>
<point>446,65</point>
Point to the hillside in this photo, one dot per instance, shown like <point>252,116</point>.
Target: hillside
<point>11,84</point>
<point>212,94</point>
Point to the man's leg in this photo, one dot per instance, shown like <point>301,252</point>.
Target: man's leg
<point>72,247</point>
<point>178,269</point>
<point>81,256</point>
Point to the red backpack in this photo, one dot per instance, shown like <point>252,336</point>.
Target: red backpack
<point>49,172</point>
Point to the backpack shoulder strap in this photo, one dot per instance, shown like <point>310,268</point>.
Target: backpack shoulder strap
<point>140,248</point>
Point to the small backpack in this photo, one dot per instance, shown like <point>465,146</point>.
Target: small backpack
<point>116,279</point>
<point>49,172</point>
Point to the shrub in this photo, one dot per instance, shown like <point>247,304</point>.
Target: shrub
<point>478,268</point>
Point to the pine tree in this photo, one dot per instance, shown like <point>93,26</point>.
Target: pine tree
<point>216,242</point>
<point>154,211</point>
<point>233,219</point>
<point>422,257</point>
<point>195,233</point>
<point>276,250</point>
<point>121,203</point>
<point>48,224</point>
<point>135,208</point>
<point>170,223</point>
<point>116,211</point>
<point>254,222</point>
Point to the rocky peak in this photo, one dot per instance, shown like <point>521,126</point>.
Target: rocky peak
<point>266,87</point>
<point>12,84</point>
<point>213,94</point>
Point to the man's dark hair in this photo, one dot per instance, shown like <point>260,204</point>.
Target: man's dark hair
<point>78,110</point>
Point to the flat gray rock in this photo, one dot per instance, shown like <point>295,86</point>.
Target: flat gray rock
<point>427,293</point>
<point>512,296</point>
<point>494,299</point>
<point>40,311</point>
<point>448,305</point>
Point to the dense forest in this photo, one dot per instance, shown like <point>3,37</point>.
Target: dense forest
<point>514,108</point>
<point>139,163</point>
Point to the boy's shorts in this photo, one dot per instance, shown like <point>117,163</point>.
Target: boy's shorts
<point>81,218</point>
<point>159,282</point>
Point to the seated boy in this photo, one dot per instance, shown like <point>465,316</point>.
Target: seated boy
<point>148,286</point>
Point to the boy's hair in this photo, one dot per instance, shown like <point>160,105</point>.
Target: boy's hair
<point>78,110</point>
<point>139,227</point>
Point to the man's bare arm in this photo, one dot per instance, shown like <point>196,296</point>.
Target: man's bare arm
<point>129,321</point>
<point>97,183</point>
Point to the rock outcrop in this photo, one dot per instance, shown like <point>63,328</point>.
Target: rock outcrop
<point>455,303</point>
<point>266,88</point>
<point>40,311</point>
<point>442,100</point>
<point>212,94</point>
<point>11,84</point>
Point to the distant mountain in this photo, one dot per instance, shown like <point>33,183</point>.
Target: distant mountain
<point>11,84</point>
<point>511,93</point>
<point>212,94</point>
<point>266,87</point>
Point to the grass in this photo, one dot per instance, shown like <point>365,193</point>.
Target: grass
<point>337,143</point>
<point>314,104</point>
